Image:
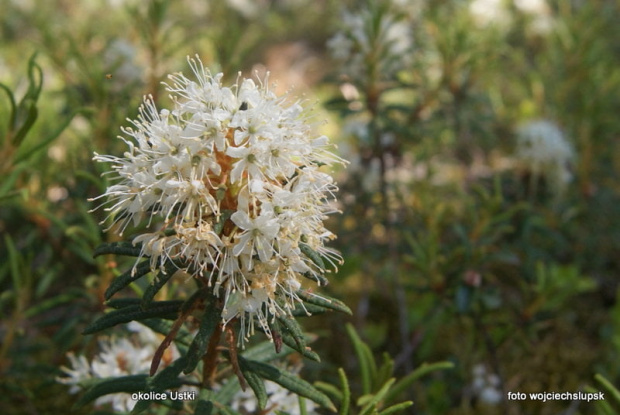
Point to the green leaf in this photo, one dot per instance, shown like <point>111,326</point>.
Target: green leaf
<point>324,301</point>
<point>346,392</point>
<point>118,248</point>
<point>22,155</point>
<point>408,380</point>
<point>288,340</point>
<point>45,305</point>
<point>29,112</point>
<point>386,370</point>
<point>118,303</point>
<point>8,181</point>
<point>223,409</point>
<point>210,320</point>
<point>306,310</point>
<point>264,351</point>
<point>227,391</point>
<point>396,408</point>
<point>293,328</point>
<point>288,381</point>
<point>23,115</point>
<point>330,390</point>
<point>161,309</point>
<point>44,282</point>
<point>302,406</point>
<point>368,366</point>
<point>313,255</point>
<point>602,406</point>
<point>144,404</point>
<point>126,278</point>
<point>13,106</point>
<point>35,86</point>
<point>257,385</point>
<point>128,384</point>
<point>371,405</point>
<point>160,280</point>
<point>14,263</point>
<point>204,408</point>
<point>168,378</point>
<point>318,278</point>
<point>615,393</point>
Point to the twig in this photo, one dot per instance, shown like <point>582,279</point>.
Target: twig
<point>232,348</point>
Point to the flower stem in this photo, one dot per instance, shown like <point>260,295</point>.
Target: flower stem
<point>210,358</point>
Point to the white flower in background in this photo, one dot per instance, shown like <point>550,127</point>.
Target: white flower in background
<point>250,9</point>
<point>280,400</point>
<point>543,149</point>
<point>399,174</point>
<point>24,5</point>
<point>531,6</point>
<point>539,12</point>
<point>486,385</point>
<point>57,193</point>
<point>360,43</point>
<point>117,357</point>
<point>232,178</point>
<point>489,13</point>
<point>496,13</point>
<point>118,4</point>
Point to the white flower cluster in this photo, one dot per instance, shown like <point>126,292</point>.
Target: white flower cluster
<point>117,357</point>
<point>280,400</point>
<point>233,176</point>
<point>361,43</point>
<point>498,14</point>
<point>532,6</point>
<point>543,149</point>
<point>490,13</point>
<point>486,385</point>
<point>539,14</point>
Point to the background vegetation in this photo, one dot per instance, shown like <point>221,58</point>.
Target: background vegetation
<point>455,249</point>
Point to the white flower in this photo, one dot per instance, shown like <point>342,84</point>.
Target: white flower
<point>491,395</point>
<point>258,236</point>
<point>543,149</point>
<point>279,400</point>
<point>539,13</point>
<point>231,178</point>
<point>532,6</point>
<point>487,386</point>
<point>361,42</point>
<point>489,12</point>
<point>250,9</point>
<point>117,357</point>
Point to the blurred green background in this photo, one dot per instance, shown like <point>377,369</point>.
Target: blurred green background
<point>456,247</point>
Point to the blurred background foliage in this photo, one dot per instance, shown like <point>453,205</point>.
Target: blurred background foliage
<point>455,247</point>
